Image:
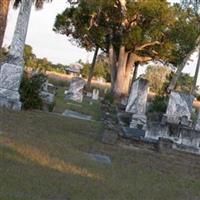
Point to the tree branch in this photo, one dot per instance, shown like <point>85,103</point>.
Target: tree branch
<point>140,48</point>
<point>138,58</point>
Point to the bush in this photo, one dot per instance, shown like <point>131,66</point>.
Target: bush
<point>30,89</point>
<point>159,104</point>
<point>109,97</point>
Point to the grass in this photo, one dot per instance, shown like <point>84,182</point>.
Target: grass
<point>43,157</point>
<point>88,106</point>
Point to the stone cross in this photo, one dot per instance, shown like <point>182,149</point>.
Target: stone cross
<point>137,103</point>
<point>11,70</point>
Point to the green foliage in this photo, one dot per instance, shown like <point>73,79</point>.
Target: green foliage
<point>43,64</point>
<point>157,76</point>
<point>184,83</point>
<point>100,70</point>
<point>30,89</point>
<point>3,53</point>
<point>109,97</point>
<point>159,104</point>
<point>192,4</point>
<point>194,117</point>
<point>92,23</point>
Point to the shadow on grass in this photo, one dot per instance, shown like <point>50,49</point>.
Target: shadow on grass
<point>44,159</point>
<point>28,173</point>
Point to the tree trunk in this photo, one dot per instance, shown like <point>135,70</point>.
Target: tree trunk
<point>125,64</point>
<point>112,65</point>
<point>178,71</point>
<point>121,73</point>
<point>129,67</point>
<point>18,41</point>
<point>196,74</point>
<point>135,71</point>
<point>4,5</point>
<point>91,71</point>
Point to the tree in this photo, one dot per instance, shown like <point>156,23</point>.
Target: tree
<point>130,32</point>
<point>194,5</point>
<point>157,76</point>
<point>184,83</point>
<point>91,71</point>
<point>101,68</point>
<point>4,5</point>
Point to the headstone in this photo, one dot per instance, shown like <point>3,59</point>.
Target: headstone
<point>45,86</point>
<point>11,69</point>
<point>137,103</point>
<point>179,108</point>
<point>47,97</point>
<point>124,101</point>
<point>10,78</point>
<point>75,91</point>
<point>95,94</point>
<point>197,127</point>
<point>89,94</point>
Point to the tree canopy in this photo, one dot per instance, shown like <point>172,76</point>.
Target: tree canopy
<point>142,30</point>
<point>153,28</point>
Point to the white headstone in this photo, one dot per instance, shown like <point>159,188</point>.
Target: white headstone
<point>75,91</point>
<point>137,103</point>
<point>95,94</point>
<point>179,106</point>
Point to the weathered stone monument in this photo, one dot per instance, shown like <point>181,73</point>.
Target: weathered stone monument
<point>75,91</point>
<point>11,69</point>
<point>179,109</point>
<point>95,94</point>
<point>47,96</point>
<point>197,126</point>
<point>137,104</point>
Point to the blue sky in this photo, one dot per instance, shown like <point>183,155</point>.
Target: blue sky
<point>57,48</point>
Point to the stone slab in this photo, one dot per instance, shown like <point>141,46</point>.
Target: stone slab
<point>99,158</point>
<point>77,115</point>
<point>133,133</point>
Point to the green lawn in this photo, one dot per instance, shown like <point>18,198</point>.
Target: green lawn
<point>88,107</point>
<point>42,157</point>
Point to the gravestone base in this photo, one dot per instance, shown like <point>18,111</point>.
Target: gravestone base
<point>13,104</point>
<point>139,121</point>
<point>10,79</point>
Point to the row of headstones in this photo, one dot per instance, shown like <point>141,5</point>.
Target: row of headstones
<point>179,107</point>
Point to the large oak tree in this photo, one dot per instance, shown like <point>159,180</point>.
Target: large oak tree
<point>130,32</point>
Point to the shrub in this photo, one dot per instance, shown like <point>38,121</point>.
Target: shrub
<point>109,97</point>
<point>30,89</point>
<point>159,104</point>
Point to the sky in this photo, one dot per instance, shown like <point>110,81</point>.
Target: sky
<point>56,47</point>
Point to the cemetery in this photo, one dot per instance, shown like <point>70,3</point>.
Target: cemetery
<point>135,136</point>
